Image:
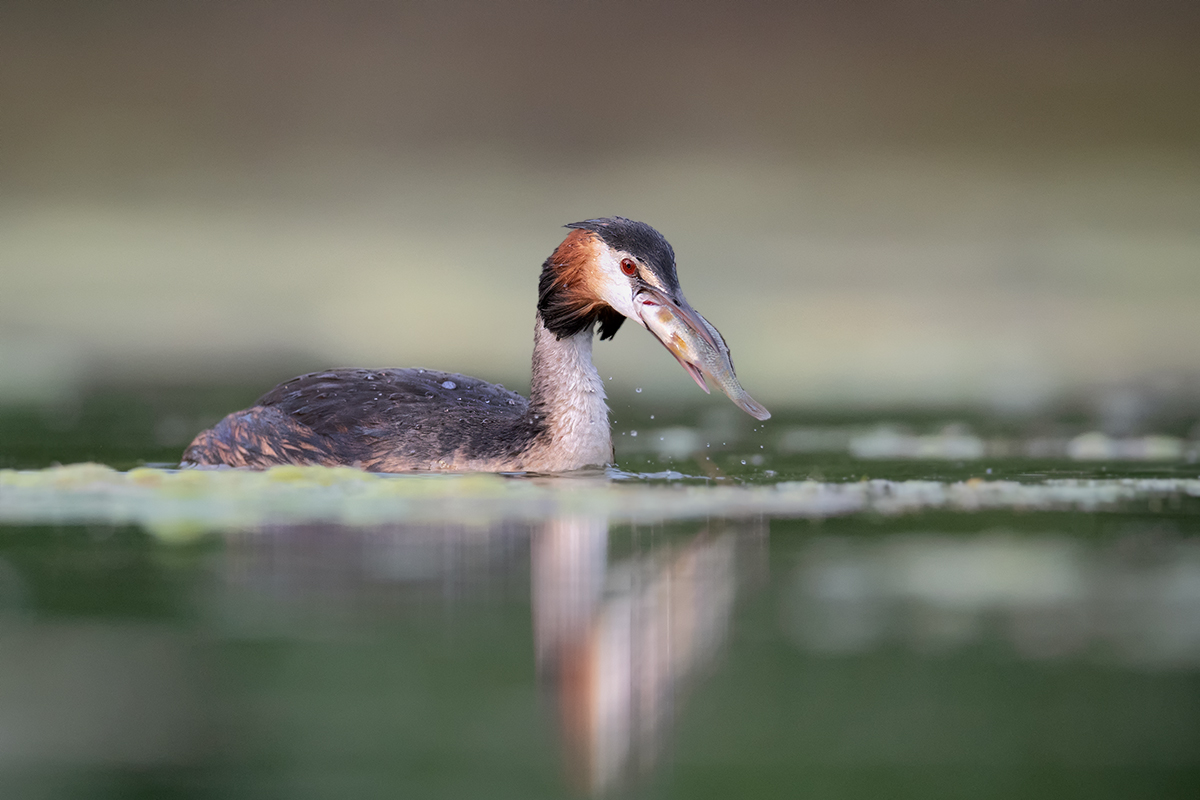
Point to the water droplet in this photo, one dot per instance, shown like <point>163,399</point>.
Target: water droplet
<point>633,433</point>
<point>638,390</point>
<point>449,385</point>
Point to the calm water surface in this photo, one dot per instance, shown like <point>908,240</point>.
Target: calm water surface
<point>1010,651</point>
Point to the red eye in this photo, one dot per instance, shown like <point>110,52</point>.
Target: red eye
<point>628,267</point>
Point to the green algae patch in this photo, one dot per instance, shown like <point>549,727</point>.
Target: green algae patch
<point>182,504</point>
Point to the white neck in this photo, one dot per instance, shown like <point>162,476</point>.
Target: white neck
<point>567,390</point>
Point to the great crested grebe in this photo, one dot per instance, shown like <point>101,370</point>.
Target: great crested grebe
<point>400,420</point>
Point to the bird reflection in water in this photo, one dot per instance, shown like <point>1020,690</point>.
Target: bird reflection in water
<point>616,643</point>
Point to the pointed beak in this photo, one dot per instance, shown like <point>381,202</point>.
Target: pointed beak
<point>695,343</point>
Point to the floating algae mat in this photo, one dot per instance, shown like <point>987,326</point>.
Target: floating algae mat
<point>168,502</point>
<point>856,612</point>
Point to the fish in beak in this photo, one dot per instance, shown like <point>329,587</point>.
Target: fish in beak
<point>696,345</point>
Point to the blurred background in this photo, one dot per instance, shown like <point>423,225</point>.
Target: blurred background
<point>878,203</point>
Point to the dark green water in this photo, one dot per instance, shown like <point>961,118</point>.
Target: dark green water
<point>999,653</point>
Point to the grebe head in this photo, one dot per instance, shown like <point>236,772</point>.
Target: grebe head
<point>611,269</point>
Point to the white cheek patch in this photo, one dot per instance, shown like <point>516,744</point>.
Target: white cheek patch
<point>613,286</point>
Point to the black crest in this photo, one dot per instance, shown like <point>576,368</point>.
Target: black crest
<point>639,240</point>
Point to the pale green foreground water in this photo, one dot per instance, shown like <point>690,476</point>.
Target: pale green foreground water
<point>807,610</point>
